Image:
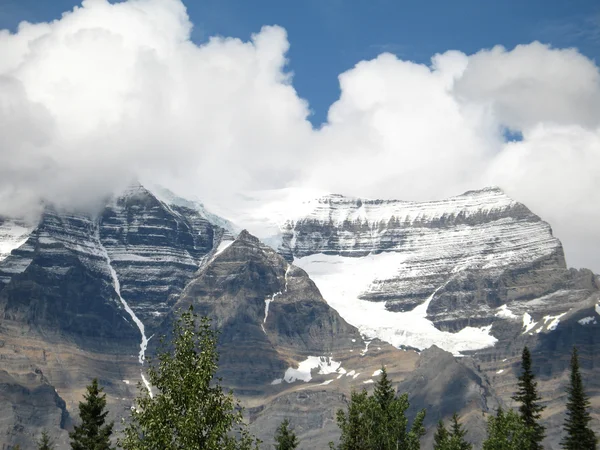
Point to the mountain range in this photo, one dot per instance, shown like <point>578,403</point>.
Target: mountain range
<point>445,294</point>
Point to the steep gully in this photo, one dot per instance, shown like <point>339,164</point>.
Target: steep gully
<point>136,320</point>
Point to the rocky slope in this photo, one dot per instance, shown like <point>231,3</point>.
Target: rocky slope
<point>479,274</point>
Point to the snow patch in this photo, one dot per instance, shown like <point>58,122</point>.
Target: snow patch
<point>552,322</point>
<point>528,323</point>
<point>324,364</point>
<point>269,300</point>
<point>500,371</point>
<point>587,320</point>
<point>368,382</point>
<point>325,383</point>
<point>376,373</point>
<point>505,313</point>
<point>13,234</point>
<point>224,244</point>
<point>342,280</point>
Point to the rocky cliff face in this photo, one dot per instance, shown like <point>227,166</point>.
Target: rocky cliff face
<point>477,274</point>
<point>270,315</point>
<point>36,407</point>
<point>154,248</point>
<point>81,294</point>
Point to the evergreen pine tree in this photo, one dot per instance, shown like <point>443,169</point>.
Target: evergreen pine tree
<point>189,409</point>
<point>379,421</point>
<point>94,432</point>
<point>578,433</point>
<point>285,438</point>
<point>507,431</point>
<point>441,438</point>
<point>528,397</point>
<point>356,423</point>
<point>45,443</point>
<point>384,392</point>
<point>457,436</point>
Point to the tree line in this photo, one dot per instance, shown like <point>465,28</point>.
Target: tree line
<point>189,410</point>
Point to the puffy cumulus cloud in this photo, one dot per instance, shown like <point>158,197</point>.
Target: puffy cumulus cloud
<point>115,91</point>
<point>397,130</point>
<point>412,131</point>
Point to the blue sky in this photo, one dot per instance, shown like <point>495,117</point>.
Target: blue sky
<point>329,37</point>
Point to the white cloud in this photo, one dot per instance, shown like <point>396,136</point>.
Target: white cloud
<point>113,91</point>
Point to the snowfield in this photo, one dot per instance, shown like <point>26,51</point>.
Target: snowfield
<point>343,279</point>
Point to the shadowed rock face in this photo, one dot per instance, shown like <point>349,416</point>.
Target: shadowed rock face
<point>35,406</point>
<point>442,385</point>
<point>268,312</point>
<point>64,285</point>
<point>60,278</point>
<point>60,309</point>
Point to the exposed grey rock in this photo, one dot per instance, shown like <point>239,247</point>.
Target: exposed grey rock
<point>443,385</point>
<point>269,314</point>
<point>31,405</point>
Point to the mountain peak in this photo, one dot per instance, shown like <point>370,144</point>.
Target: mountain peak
<point>245,236</point>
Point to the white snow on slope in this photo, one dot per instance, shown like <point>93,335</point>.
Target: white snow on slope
<point>342,280</point>
<point>528,323</point>
<point>324,364</point>
<point>224,244</point>
<point>272,298</point>
<point>335,208</point>
<point>13,234</point>
<point>505,313</point>
<point>136,320</point>
<point>552,322</point>
<point>587,320</point>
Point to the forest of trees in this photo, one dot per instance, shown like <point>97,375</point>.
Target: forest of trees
<point>189,410</point>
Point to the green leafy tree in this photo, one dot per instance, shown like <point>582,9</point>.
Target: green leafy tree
<point>528,397</point>
<point>189,410</point>
<point>579,435</point>
<point>45,443</point>
<point>507,431</point>
<point>93,433</point>
<point>285,438</point>
<point>379,421</point>
<point>441,438</point>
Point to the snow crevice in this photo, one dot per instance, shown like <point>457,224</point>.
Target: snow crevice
<point>134,317</point>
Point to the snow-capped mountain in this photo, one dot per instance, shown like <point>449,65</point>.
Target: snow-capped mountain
<point>478,275</point>
<point>441,272</point>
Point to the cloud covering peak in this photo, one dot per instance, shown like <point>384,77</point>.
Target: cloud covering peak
<point>112,92</point>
